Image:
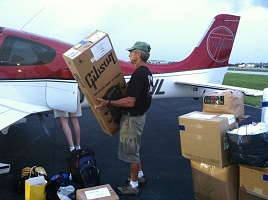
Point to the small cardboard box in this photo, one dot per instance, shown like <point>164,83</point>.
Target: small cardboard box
<point>215,183</point>
<point>104,192</point>
<point>224,101</point>
<point>254,180</point>
<point>94,65</point>
<point>203,137</point>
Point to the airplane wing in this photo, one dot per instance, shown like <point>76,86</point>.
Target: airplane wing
<point>246,91</point>
<point>11,111</point>
<point>23,98</point>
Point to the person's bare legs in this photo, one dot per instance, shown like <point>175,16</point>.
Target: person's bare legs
<point>67,130</point>
<point>134,169</point>
<point>77,130</point>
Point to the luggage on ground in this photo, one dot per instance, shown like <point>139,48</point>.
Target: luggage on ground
<point>83,168</point>
<point>57,182</point>
<point>27,172</point>
<point>35,188</point>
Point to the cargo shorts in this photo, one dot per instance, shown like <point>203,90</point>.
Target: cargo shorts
<point>131,129</point>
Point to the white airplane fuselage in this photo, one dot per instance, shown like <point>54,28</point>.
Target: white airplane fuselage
<point>49,94</point>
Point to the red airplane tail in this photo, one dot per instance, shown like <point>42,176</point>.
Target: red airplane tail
<point>212,51</point>
<point>216,46</point>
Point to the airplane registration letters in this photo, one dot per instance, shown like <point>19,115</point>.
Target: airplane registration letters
<point>157,87</point>
<point>93,76</point>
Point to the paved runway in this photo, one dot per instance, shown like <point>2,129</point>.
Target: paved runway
<point>169,174</point>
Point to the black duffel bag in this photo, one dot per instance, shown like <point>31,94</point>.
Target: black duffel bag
<point>249,145</point>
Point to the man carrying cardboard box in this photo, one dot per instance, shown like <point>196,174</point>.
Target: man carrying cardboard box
<point>135,104</point>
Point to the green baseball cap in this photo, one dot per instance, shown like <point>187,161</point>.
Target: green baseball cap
<point>143,46</point>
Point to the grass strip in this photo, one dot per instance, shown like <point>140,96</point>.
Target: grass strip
<point>251,81</point>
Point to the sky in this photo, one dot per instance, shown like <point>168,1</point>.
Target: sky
<point>173,28</point>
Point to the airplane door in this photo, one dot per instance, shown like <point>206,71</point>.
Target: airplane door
<point>62,95</point>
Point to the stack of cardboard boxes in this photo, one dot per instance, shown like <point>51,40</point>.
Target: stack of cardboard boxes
<point>204,142</point>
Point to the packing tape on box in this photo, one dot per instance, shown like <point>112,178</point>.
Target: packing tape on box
<point>264,114</point>
<point>265,177</point>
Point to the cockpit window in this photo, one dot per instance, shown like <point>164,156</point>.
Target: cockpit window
<point>20,51</point>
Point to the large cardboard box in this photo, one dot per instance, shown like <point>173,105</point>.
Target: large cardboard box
<point>215,183</point>
<point>203,137</point>
<point>254,180</point>
<point>224,101</point>
<point>95,67</point>
<point>103,192</point>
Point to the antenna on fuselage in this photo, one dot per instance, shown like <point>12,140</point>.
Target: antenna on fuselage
<point>32,18</point>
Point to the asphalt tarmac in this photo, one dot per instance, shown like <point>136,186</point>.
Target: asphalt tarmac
<point>168,172</point>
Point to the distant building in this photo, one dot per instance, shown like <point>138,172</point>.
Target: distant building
<point>247,65</point>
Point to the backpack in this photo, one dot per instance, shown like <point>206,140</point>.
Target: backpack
<point>57,181</point>
<point>82,166</point>
<point>26,173</point>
